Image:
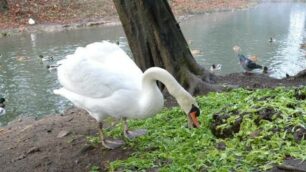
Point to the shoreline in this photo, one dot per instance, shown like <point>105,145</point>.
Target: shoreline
<point>53,27</point>
<point>106,21</point>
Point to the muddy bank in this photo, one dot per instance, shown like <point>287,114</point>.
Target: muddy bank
<point>54,143</point>
<point>60,27</point>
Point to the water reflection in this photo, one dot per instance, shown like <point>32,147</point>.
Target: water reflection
<point>290,58</point>
<point>251,29</point>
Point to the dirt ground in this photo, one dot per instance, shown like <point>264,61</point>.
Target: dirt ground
<point>58,142</point>
<point>54,143</point>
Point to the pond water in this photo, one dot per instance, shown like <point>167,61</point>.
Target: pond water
<point>27,84</point>
<point>251,29</point>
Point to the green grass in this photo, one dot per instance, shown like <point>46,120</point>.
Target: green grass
<point>171,146</point>
<point>94,169</point>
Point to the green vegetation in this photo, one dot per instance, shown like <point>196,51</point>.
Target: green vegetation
<point>94,169</point>
<point>93,140</point>
<point>272,128</point>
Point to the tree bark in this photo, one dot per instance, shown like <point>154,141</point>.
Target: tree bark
<point>301,74</point>
<point>155,39</point>
<point>3,5</point>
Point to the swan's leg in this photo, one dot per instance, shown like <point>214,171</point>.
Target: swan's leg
<point>132,134</point>
<point>109,143</point>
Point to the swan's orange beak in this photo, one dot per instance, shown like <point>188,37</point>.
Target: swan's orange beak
<point>194,118</point>
<point>193,115</point>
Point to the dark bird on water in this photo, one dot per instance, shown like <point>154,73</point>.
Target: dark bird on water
<point>247,64</point>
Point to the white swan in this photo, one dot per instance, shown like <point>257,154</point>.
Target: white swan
<point>103,80</point>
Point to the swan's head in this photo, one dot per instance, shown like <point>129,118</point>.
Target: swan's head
<point>193,115</point>
<point>191,108</point>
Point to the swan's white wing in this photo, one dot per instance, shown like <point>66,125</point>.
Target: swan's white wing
<point>109,54</point>
<point>96,73</point>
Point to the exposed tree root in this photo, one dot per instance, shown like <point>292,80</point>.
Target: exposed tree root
<point>301,74</point>
<point>202,84</point>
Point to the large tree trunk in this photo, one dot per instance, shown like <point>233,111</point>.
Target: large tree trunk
<point>155,39</point>
<point>3,5</point>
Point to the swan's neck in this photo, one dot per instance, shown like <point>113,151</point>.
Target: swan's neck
<point>152,99</point>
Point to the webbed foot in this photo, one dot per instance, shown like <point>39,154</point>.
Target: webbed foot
<point>136,133</point>
<point>112,143</point>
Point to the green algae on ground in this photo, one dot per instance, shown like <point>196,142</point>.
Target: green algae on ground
<point>271,128</point>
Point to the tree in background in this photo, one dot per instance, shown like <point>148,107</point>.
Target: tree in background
<point>155,39</point>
